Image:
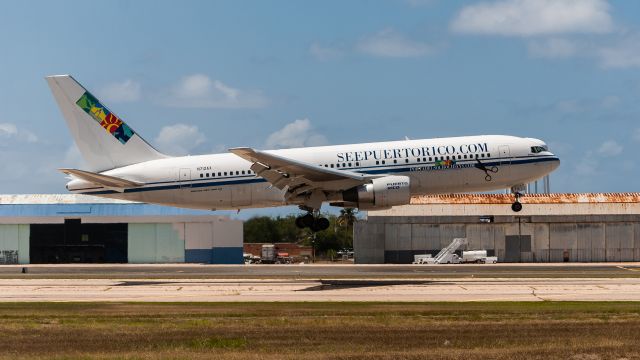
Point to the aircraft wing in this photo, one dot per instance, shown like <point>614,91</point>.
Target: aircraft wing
<point>298,176</point>
<point>100,179</point>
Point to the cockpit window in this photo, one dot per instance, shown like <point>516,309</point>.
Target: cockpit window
<point>538,149</point>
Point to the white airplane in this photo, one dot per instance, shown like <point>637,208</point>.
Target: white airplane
<point>365,176</point>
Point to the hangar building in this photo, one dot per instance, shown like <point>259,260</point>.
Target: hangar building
<point>74,228</point>
<point>550,228</point>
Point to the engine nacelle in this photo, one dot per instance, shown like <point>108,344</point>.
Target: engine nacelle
<point>383,192</point>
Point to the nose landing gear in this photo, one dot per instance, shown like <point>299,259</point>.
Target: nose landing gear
<point>517,205</point>
<point>315,223</point>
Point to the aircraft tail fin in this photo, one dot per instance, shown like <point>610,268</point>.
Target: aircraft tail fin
<point>104,140</point>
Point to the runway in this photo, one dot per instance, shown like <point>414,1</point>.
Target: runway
<point>261,290</point>
<point>322,282</point>
<point>318,271</point>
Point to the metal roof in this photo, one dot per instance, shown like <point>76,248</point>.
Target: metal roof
<point>527,199</point>
<point>49,199</point>
<point>54,206</point>
<point>534,205</point>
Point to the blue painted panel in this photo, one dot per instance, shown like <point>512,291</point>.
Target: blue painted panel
<point>218,255</point>
<point>197,256</point>
<point>36,210</point>
<point>227,255</point>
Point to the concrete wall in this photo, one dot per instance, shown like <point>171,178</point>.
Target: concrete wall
<point>395,239</point>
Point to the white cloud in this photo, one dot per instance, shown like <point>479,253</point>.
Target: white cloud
<point>390,43</point>
<point>534,17</point>
<point>324,53</point>
<point>179,139</point>
<point>296,134</point>
<point>592,161</point>
<point>553,48</point>
<point>624,53</point>
<point>610,148</point>
<point>200,91</point>
<point>124,91</point>
<point>8,130</point>
<point>11,131</point>
<point>617,51</point>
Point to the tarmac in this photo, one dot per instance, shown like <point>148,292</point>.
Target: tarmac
<point>257,283</point>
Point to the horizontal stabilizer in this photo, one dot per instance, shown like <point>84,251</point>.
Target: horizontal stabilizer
<point>100,179</point>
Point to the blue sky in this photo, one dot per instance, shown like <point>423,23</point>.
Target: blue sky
<point>201,76</point>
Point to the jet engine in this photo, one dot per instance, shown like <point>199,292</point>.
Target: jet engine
<point>381,193</point>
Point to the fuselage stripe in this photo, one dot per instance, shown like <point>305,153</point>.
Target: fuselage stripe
<point>251,179</point>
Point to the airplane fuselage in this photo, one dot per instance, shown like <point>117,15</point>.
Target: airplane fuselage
<point>443,165</point>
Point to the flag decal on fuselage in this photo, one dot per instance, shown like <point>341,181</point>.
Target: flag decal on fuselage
<point>108,120</point>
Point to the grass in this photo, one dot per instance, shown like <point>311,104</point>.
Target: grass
<point>527,330</point>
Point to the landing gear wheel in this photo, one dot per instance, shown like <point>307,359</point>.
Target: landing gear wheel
<point>321,224</point>
<point>307,220</point>
<point>516,206</point>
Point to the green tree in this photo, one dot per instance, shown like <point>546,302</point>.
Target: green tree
<point>346,220</point>
<point>260,229</point>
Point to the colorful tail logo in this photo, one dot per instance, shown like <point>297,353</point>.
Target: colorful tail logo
<point>108,120</point>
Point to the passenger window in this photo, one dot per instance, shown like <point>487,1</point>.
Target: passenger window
<point>242,172</point>
<point>459,157</point>
<point>225,173</point>
<point>207,174</point>
<point>201,175</point>
<point>219,174</point>
<point>349,164</point>
<point>357,163</point>
<point>488,155</point>
<point>430,158</point>
<point>377,162</point>
<point>395,161</point>
<point>382,162</point>
<point>332,166</point>
<point>406,161</point>
<point>481,155</point>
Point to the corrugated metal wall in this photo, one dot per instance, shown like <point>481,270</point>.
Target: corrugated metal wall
<point>217,242</point>
<point>156,243</point>
<point>397,239</point>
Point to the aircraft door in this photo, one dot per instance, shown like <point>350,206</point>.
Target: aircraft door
<point>184,178</point>
<point>504,161</point>
<point>505,154</point>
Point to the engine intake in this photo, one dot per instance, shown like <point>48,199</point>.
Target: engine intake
<point>383,192</point>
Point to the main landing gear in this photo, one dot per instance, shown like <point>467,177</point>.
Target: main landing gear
<point>315,223</point>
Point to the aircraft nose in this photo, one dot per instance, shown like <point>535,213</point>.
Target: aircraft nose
<point>555,162</point>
